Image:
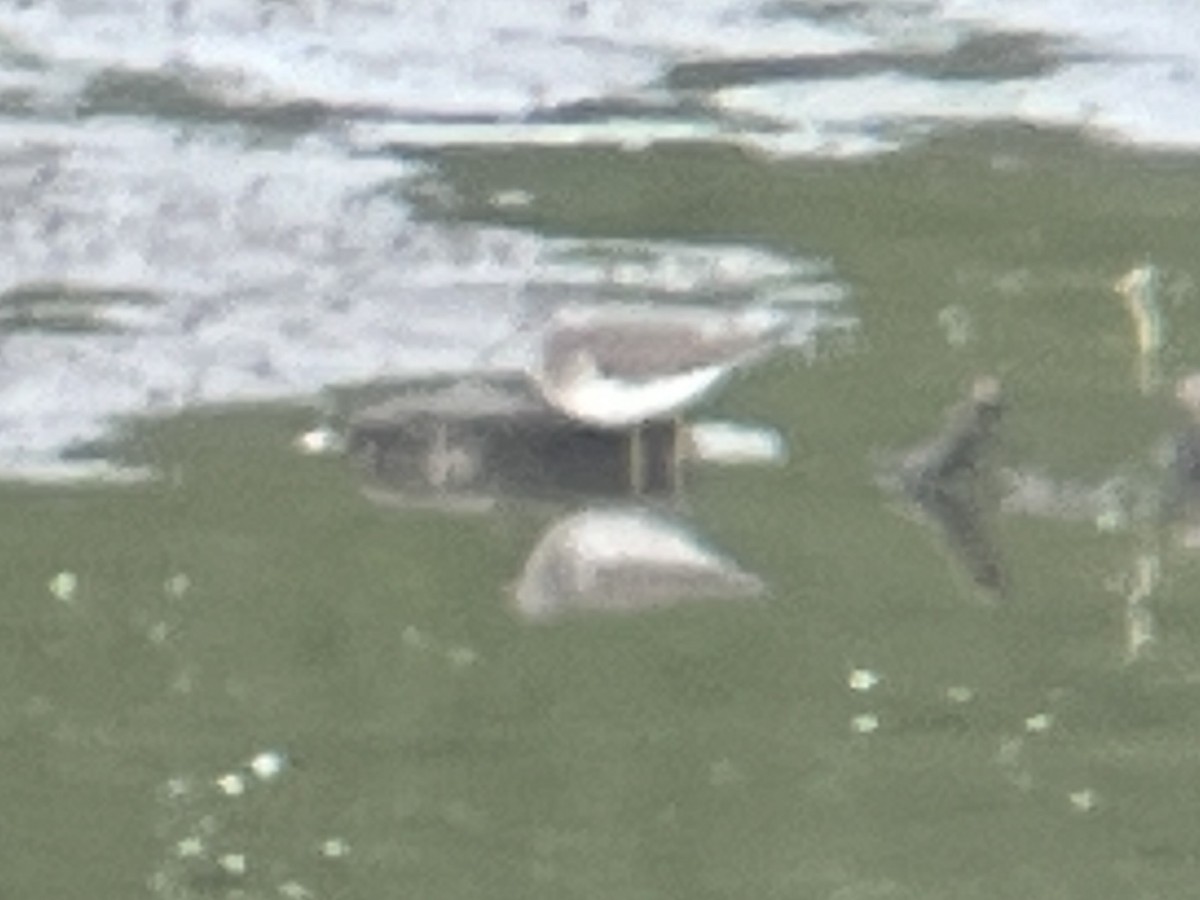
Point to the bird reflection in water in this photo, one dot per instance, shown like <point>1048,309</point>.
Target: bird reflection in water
<point>944,480</point>
<point>1141,290</point>
<point>623,560</point>
<point>490,447</point>
<point>1179,507</point>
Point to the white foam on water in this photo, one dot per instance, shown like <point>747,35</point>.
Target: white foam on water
<point>1126,72</point>
<point>826,110</point>
<point>1143,103</point>
<point>1157,27</point>
<point>420,58</point>
<point>1131,71</point>
<point>1139,103</point>
<point>631,134</point>
<point>505,59</point>
<point>1145,83</point>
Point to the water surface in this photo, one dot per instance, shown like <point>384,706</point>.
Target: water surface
<point>236,676</point>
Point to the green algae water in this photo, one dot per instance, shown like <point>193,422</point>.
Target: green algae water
<point>243,679</point>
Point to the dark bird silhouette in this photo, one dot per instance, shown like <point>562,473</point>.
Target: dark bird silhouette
<point>943,478</point>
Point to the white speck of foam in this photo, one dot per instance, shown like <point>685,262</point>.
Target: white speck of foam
<point>728,443</point>
<point>335,848</point>
<point>865,723</point>
<point>64,586</point>
<point>1039,723</point>
<point>320,442</point>
<point>863,680</point>
<point>268,764</point>
<point>511,199</point>
<point>1084,800</point>
<point>294,890</point>
<point>231,784</point>
<point>190,847</point>
<point>233,863</point>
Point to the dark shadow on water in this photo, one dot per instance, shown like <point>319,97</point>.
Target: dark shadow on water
<point>980,57</point>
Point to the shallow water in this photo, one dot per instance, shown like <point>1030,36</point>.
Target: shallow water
<point>237,676</point>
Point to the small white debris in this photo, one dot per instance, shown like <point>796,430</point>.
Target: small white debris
<point>320,442</point>
<point>268,765</point>
<point>1039,724</point>
<point>732,444</point>
<point>1084,800</point>
<point>863,680</point>
<point>233,863</point>
<point>177,585</point>
<point>865,723</point>
<point>294,890</point>
<point>232,784</point>
<point>64,586</point>
<point>335,848</point>
<point>511,199</point>
<point>461,657</point>
<point>959,693</point>
<point>190,847</point>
